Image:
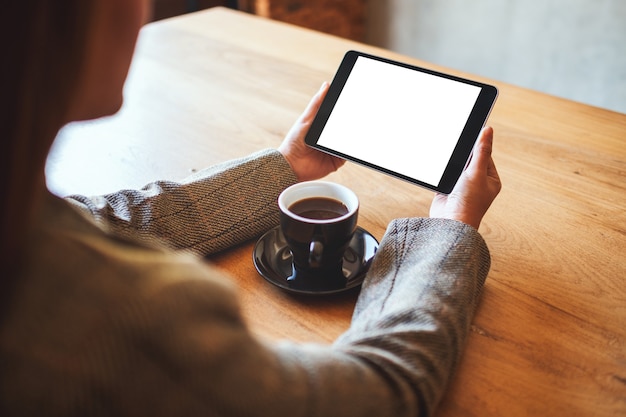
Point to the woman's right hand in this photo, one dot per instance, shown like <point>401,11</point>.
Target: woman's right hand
<point>475,190</point>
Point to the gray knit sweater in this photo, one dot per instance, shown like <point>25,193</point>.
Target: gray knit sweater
<point>104,322</point>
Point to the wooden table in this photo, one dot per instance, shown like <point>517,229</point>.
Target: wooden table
<point>549,338</point>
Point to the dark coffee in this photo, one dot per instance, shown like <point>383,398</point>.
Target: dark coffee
<point>319,208</point>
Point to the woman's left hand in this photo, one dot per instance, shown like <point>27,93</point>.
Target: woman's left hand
<point>308,163</point>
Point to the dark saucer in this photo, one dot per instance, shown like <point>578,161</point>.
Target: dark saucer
<point>272,258</point>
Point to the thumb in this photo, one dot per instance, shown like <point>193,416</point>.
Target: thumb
<point>315,103</point>
<point>481,156</point>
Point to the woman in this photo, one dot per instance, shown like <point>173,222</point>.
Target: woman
<point>100,316</point>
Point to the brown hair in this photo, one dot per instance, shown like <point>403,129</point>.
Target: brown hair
<point>44,46</point>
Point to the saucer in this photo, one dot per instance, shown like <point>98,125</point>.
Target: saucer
<point>272,259</point>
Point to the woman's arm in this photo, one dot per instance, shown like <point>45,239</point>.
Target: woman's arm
<point>215,209</point>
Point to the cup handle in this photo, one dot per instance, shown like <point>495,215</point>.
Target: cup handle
<point>315,254</point>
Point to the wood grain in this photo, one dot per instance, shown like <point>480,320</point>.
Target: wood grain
<point>550,334</point>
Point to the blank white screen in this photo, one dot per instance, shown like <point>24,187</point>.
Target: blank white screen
<point>399,119</point>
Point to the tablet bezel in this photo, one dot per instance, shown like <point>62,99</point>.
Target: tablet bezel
<point>464,145</point>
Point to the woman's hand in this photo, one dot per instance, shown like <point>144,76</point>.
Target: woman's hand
<point>476,189</point>
<point>306,162</point>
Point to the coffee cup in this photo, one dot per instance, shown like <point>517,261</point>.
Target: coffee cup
<point>318,220</point>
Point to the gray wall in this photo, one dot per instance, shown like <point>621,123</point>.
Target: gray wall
<point>569,48</point>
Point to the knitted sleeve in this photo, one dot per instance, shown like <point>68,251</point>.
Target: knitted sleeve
<point>415,310</point>
<point>214,209</point>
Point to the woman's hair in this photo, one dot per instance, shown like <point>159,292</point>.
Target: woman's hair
<point>44,42</point>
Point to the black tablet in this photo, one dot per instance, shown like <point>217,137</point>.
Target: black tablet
<point>409,122</point>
